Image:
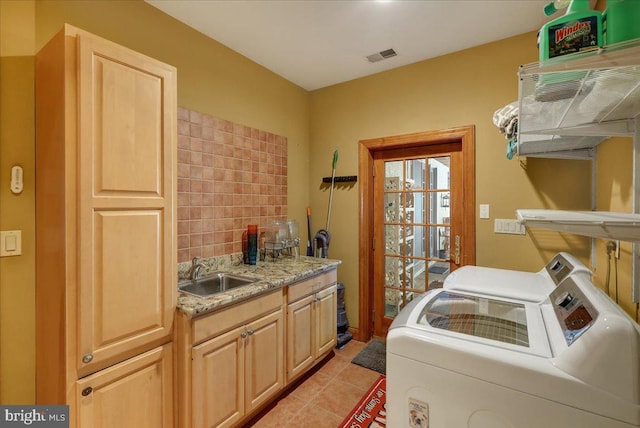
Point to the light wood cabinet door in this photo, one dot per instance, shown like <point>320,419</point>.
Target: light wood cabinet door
<point>264,359</point>
<point>236,372</point>
<point>300,336</point>
<point>134,393</point>
<point>326,324</point>
<point>311,329</point>
<point>126,179</point>
<point>218,367</point>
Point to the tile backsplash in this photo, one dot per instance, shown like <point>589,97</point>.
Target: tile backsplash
<point>229,176</point>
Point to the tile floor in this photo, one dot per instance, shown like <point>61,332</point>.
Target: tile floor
<point>323,397</point>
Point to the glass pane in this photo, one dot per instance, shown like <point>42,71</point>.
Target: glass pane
<point>407,246</point>
<point>443,208</point>
<point>392,302</point>
<point>408,215</point>
<point>439,242</point>
<point>406,276</point>
<point>418,282</point>
<point>392,271</point>
<point>392,207</point>
<point>477,316</point>
<point>416,234</point>
<point>392,175</point>
<point>408,200</point>
<point>416,173</point>
<point>437,272</point>
<point>419,207</point>
<point>444,242</point>
<point>439,176</point>
<point>392,239</point>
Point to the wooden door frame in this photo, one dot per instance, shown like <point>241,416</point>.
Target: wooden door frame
<point>366,149</point>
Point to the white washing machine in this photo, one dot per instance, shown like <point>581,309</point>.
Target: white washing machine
<point>528,286</point>
<point>514,351</point>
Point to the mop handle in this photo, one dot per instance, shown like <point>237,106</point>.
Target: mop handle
<point>333,177</point>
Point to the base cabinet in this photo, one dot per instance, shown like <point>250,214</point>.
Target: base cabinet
<point>238,371</point>
<point>134,393</point>
<point>311,326</point>
<point>232,362</point>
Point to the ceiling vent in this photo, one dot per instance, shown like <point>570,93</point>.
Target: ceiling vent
<point>386,54</point>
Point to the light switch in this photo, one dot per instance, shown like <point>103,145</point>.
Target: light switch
<point>484,210</point>
<point>10,243</point>
<point>508,226</point>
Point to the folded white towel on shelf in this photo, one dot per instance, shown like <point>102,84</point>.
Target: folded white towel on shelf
<point>504,118</point>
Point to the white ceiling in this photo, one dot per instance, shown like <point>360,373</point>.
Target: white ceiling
<point>317,43</point>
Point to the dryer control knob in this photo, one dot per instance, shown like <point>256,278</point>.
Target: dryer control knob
<point>564,299</point>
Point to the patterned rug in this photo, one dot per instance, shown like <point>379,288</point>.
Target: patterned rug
<point>371,410</point>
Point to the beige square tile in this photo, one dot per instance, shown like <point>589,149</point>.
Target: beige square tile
<point>310,387</point>
<point>339,397</point>
<point>334,365</point>
<point>312,416</point>
<point>358,376</point>
<point>279,413</point>
<point>351,349</point>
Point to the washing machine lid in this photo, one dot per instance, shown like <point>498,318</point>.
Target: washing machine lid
<point>477,316</point>
<point>478,320</point>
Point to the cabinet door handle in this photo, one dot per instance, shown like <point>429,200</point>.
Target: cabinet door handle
<point>87,358</point>
<point>88,390</point>
<point>251,332</point>
<point>243,334</point>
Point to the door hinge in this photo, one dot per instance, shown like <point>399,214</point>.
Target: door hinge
<point>373,170</point>
<point>373,317</point>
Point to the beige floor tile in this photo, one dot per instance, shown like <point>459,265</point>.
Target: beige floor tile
<point>351,349</point>
<point>339,397</point>
<point>284,410</point>
<point>334,365</point>
<point>358,376</point>
<point>311,386</point>
<point>312,416</point>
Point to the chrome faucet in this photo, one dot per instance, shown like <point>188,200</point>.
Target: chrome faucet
<point>194,270</point>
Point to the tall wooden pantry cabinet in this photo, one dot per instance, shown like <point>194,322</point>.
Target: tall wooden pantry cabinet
<point>105,236</point>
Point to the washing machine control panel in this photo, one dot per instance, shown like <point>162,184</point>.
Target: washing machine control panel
<point>559,267</point>
<point>574,311</point>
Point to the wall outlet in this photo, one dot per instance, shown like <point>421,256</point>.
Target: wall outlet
<point>507,226</point>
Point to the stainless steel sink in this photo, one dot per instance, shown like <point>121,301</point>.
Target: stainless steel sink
<point>211,284</point>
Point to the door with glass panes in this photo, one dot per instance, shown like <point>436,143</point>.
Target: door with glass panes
<point>417,218</point>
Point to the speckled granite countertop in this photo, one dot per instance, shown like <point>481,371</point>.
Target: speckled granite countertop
<point>270,276</point>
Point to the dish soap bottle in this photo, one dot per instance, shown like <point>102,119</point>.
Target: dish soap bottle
<point>252,243</point>
<point>577,30</point>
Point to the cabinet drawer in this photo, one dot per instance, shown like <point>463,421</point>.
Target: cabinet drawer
<point>226,319</point>
<point>311,285</point>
